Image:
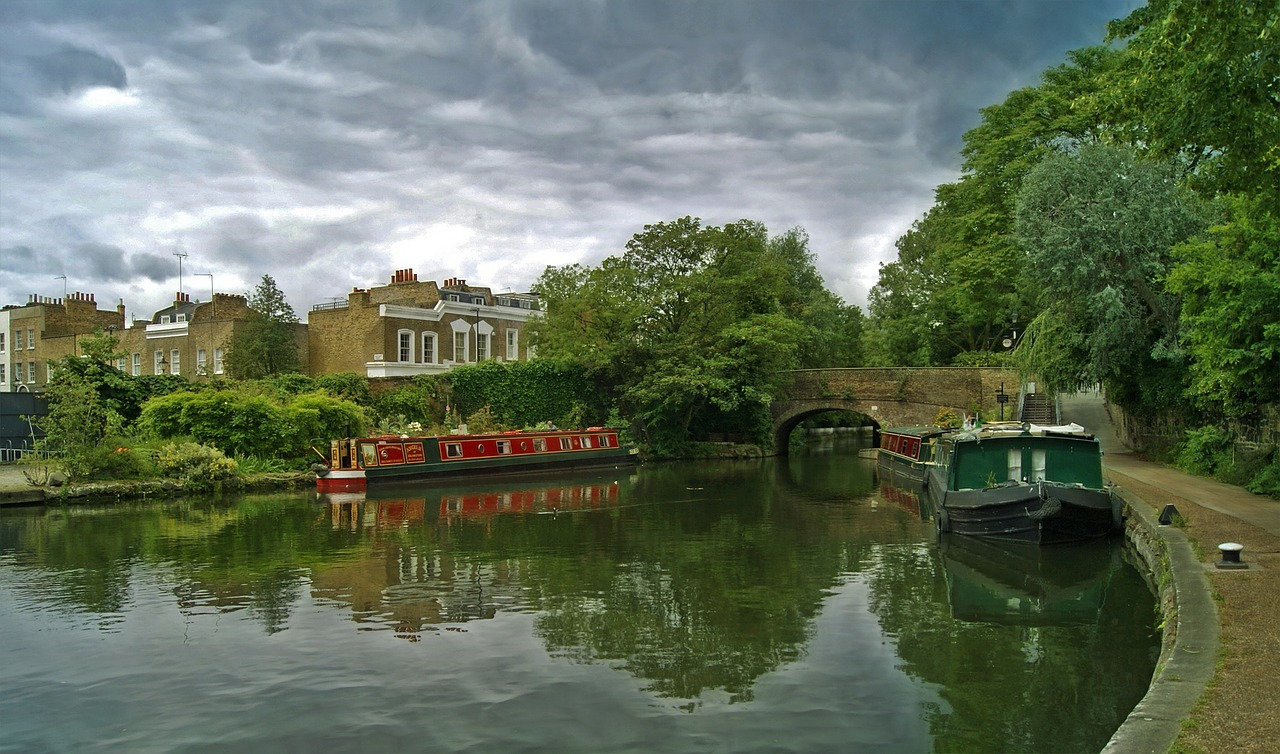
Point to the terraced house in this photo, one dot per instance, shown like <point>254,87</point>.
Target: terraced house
<point>34,335</point>
<point>409,327</point>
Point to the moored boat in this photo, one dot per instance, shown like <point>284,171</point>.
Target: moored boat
<point>353,463</point>
<point>905,453</point>
<point>1021,482</point>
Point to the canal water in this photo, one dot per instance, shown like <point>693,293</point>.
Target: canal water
<point>778,605</point>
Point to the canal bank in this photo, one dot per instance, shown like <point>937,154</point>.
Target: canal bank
<point>1219,673</point>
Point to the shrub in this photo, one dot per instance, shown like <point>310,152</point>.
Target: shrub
<point>1204,450</point>
<point>198,466</point>
<point>349,385</point>
<point>116,458</point>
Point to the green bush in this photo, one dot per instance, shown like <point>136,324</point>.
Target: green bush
<point>349,385</point>
<point>1267,481</point>
<point>200,467</point>
<point>1204,450</point>
<point>116,458</point>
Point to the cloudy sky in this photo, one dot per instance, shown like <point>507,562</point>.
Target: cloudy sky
<point>328,144</point>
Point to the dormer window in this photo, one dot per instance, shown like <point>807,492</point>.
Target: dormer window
<point>454,297</point>
<point>182,318</point>
<point>164,319</point>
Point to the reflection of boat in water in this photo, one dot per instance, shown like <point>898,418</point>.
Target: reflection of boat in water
<point>395,505</point>
<point>909,499</point>
<point>1023,584</point>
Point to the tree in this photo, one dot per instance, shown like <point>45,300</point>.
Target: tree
<point>1098,229</point>
<point>264,344</point>
<point>955,288</point>
<point>692,328</point>
<point>1200,78</point>
<point>1229,282</point>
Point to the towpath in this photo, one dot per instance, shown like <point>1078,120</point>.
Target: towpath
<point>1238,710</point>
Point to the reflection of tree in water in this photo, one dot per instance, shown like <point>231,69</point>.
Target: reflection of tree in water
<point>250,556</point>
<point>1062,678</point>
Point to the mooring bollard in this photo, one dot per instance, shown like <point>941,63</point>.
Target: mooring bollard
<point>1230,555</point>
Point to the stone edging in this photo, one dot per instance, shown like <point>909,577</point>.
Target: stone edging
<point>1189,654</point>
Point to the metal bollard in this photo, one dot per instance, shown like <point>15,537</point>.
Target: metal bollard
<point>1230,555</point>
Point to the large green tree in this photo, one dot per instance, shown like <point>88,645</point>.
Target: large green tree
<point>1229,281</point>
<point>1098,228</point>
<point>1202,79</point>
<point>954,288</point>
<point>264,345</point>
<point>693,327</point>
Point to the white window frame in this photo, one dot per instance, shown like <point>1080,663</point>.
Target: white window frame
<point>2,373</point>
<point>460,346</point>
<point>404,346</point>
<point>175,361</point>
<point>31,339</point>
<point>217,361</point>
<point>2,342</point>
<point>202,361</point>
<point>120,364</point>
<point>513,344</point>
<point>157,362</point>
<point>31,372</point>
<point>137,364</point>
<point>17,339</point>
<point>482,346</point>
<point>17,372</point>
<point>429,354</point>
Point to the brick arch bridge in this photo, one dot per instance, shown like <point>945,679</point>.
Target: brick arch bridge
<point>891,396</point>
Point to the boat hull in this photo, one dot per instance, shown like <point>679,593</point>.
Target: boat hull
<point>1039,512</point>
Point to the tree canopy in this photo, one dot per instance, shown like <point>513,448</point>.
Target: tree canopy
<point>264,345</point>
<point>692,327</point>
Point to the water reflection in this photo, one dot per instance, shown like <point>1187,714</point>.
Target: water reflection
<point>708,585</point>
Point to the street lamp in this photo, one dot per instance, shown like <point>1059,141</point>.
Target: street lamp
<point>63,278</point>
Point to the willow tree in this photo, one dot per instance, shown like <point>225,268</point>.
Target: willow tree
<point>1098,228</point>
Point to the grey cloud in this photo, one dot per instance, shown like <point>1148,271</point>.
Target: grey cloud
<point>72,69</point>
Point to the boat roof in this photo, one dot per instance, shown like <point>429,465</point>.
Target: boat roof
<point>1023,429</point>
<point>928,430</point>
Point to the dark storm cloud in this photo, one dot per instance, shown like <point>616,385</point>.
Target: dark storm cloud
<point>327,144</point>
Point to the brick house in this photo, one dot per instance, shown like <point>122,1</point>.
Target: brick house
<point>408,327</point>
<point>190,338</point>
<point>43,331</point>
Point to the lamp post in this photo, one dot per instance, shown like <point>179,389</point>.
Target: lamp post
<point>63,278</point>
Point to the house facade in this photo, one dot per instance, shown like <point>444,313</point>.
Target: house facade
<point>409,327</point>
<point>44,330</point>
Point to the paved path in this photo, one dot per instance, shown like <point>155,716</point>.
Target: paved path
<point>1088,410</point>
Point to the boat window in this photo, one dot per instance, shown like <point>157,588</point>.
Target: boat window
<point>504,447</point>
<point>1037,465</point>
<point>604,441</point>
<point>565,444</point>
<point>540,444</point>
<point>586,441</point>
<point>368,454</point>
<point>1015,464</point>
<point>453,449</point>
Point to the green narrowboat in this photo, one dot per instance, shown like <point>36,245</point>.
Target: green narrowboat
<point>1021,482</point>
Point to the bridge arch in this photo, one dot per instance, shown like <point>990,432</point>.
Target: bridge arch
<point>889,396</point>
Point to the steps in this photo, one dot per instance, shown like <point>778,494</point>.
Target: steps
<point>1037,408</point>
